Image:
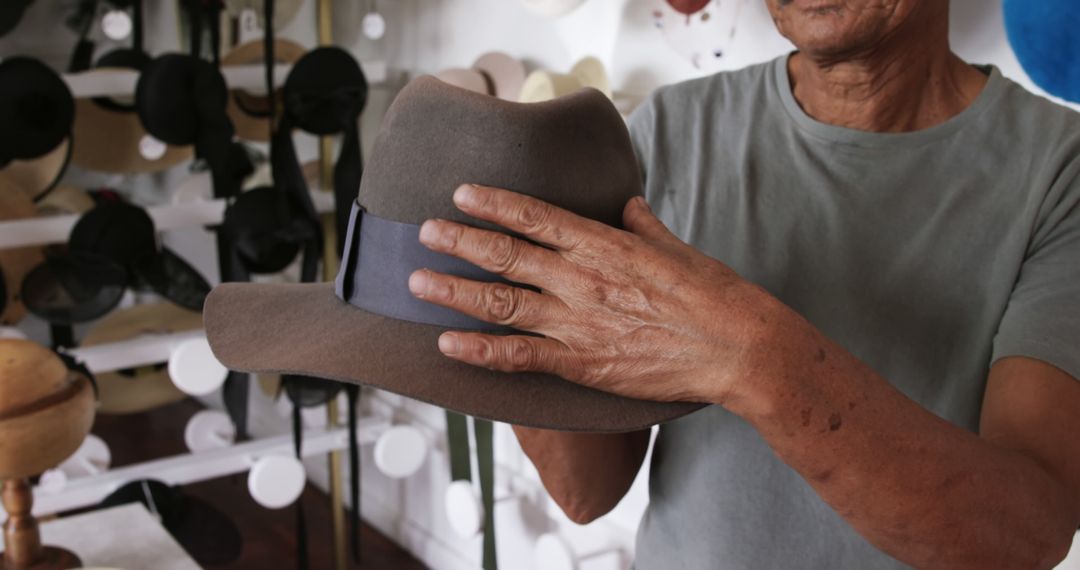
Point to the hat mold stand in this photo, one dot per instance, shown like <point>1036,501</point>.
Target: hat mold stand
<point>465,508</point>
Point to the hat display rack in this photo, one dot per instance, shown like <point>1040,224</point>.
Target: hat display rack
<point>124,357</point>
<point>175,353</point>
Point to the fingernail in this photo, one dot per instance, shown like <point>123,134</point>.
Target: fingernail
<point>419,282</point>
<point>429,232</point>
<point>465,195</point>
<point>449,344</point>
<point>643,202</point>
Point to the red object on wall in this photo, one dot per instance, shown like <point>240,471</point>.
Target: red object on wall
<point>688,7</point>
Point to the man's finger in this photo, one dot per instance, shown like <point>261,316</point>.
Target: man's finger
<point>515,259</point>
<point>535,219</point>
<point>497,303</point>
<point>506,353</point>
<point>638,218</point>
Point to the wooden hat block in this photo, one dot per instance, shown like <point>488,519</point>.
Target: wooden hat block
<point>45,412</point>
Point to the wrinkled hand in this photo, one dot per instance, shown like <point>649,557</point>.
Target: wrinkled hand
<point>637,313</point>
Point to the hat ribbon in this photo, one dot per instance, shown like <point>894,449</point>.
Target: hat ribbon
<point>380,255</point>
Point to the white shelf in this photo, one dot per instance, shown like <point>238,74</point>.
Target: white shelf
<point>251,78</point>
<point>55,229</point>
<point>140,351</point>
<point>195,467</point>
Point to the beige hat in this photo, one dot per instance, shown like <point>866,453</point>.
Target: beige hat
<point>249,113</point>
<point>35,177</point>
<point>505,74</point>
<point>108,140</point>
<point>545,85</point>
<point>147,387</point>
<point>65,200</point>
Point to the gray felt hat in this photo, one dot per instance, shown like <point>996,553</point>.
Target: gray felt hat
<point>367,328</point>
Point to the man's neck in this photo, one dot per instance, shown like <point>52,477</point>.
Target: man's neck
<point>880,91</point>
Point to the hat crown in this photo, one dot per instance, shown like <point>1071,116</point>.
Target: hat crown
<point>574,152</point>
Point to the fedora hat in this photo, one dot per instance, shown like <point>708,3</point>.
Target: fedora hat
<point>147,387</point>
<point>15,263</point>
<point>468,79</point>
<point>368,329</point>
<point>36,110</point>
<point>250,113</point>
<point>546,85</point>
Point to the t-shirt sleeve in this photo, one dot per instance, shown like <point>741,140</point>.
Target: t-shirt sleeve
<point>1042,319</point>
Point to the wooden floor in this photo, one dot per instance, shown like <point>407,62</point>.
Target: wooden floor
<point>269,535</point>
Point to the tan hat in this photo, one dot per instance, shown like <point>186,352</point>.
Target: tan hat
<point>15,263</point>
<point>64,201</point>
<point>35,177</point>
<point>545,85</point>
<point>45,409</point>
<point>249,113</point>
<point>108,140</point>
<point>368,329</point>
<point>147,387</point>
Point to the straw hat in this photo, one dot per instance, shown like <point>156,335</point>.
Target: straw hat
<point>147,387</point>
<point>250,113</point>
<point>368,329</point>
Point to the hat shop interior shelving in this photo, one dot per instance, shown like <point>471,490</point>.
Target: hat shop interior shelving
<point>444,531</point>
<point>408,497</point>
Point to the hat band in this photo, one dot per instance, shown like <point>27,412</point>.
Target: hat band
<point>379,257</point>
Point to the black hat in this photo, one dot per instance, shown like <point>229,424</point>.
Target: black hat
<point>324,95</point>
<point>125,234</point>
<point>70,288</point>
<point>36,109</point>
<point>182,100</point>
<point>11,12</point>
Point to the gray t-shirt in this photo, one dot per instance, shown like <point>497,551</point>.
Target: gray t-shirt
<point>929,255</point>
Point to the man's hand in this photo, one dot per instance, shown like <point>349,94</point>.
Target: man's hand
<point>637,313</point>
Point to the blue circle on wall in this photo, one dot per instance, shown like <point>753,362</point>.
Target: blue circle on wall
<point>1045,34</point>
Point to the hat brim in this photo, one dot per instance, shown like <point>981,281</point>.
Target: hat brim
<point>306,329</point>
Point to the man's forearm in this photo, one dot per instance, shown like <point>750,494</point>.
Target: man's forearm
<point>921,489</point>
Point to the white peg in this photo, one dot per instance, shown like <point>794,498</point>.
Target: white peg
<point>194,369</point>
<point>92,458</point>
<point>465,510</point>
<point>209,429</point>
<point>12,332</point>
<point>400,451</point>
<point>276,481</point>
<point>552,552</point>
<point>117,25</point>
